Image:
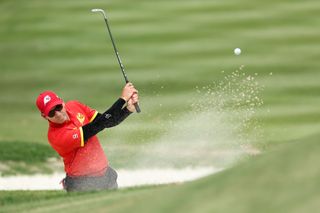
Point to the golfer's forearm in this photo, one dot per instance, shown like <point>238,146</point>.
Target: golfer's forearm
<point>116,114</point>
<point>121,116</point>
<point>112,117</point>
<point>93,128</point>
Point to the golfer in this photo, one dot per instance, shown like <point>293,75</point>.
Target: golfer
<point>72,134</point>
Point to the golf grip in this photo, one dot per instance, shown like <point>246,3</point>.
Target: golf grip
<point>136,105</point>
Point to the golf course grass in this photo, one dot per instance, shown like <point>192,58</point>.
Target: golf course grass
<point>282,180</point>
<point>172,51</point>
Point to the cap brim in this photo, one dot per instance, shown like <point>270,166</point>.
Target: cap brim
<point>51,105</point>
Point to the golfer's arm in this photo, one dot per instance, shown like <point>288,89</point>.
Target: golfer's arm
<point>112,117</point>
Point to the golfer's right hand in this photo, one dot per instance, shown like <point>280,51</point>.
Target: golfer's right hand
<point>128,91</point>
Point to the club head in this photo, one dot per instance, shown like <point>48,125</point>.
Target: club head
<point>97,10</point>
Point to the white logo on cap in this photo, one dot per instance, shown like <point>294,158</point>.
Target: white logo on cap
<point>46,99</point>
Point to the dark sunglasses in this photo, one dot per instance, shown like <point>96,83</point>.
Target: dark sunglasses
<point>52,112</point>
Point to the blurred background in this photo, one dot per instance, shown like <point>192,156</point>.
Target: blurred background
<point>201,104</point>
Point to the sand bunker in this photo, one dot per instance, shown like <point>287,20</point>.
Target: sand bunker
<point>127,178</point>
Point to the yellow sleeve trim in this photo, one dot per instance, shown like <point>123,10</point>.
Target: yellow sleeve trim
<point>94,116</point>
<point>81,135</point>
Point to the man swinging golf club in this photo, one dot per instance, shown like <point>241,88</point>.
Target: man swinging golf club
<point>72,133</point>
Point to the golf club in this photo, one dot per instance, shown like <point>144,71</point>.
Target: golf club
<point>136,105</point>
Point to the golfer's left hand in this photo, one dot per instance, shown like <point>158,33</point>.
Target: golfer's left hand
<point>134,99</point>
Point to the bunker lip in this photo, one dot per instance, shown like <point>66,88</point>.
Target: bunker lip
<point>126,178</point>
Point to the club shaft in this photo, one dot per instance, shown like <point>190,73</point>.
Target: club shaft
<point>116,52</point>
<point>136,105</point>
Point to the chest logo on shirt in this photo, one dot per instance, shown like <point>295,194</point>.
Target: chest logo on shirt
<point>80,117</point>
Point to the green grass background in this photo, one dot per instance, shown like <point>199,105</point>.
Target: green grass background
<point>169,48</point>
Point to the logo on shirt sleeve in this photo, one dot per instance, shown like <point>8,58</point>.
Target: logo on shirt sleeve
<point>107,116</point>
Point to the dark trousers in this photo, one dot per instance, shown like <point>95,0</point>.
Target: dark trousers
<point>83,183</point>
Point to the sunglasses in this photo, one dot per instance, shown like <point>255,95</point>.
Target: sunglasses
<point>52,112</point>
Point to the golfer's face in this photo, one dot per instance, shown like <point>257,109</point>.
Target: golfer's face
<point>60,116</point>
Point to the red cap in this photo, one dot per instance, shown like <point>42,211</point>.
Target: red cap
<point>46,101</point>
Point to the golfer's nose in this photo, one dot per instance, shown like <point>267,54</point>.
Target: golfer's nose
<point>57,113</point>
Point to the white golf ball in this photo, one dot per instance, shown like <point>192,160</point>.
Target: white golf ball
<point>237,51</point>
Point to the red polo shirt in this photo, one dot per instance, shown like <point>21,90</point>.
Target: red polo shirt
<point>80,159</point>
